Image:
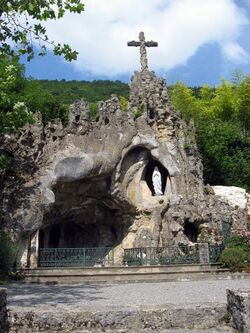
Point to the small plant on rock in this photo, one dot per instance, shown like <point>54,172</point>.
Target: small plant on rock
<point>226,318</point>
<point>138,111</point>
<point>123,103</point>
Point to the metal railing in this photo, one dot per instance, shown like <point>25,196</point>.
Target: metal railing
<point>76,257</point>
<point>215,252</point>
<point>182,254</point>
<point>226,227</point>
<point>104,256</point>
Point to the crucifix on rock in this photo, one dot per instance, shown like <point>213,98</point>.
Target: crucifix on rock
<point>143,44</point>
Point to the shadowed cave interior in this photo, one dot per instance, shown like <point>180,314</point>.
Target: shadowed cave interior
<point>191,231</point>
<point>84,215</point>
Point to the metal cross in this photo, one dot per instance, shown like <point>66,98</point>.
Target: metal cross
<point>143,44</point>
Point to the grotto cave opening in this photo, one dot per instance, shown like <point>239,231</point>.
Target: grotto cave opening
<point>84,215</point>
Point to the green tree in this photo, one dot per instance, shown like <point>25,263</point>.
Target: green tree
<point>40,99</point>
<point>21,25</point>
<point>93,92</point>
<point>20,98</point>
<point>225,102</point>
<point>221,119</point>
<point>225,152</point>
<point>183,100</point>
<point>243,91</point>
<point>237,77</point>
<point>13,112</point>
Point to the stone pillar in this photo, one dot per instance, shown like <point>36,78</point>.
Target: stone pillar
<point>238,305</point>
<point>203,253</point>
<point>23,258</point>
<point>3,311</point>
<point>34,250</point>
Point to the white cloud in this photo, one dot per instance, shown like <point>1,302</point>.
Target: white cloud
<point>235,53</point>
<point>101,33</point>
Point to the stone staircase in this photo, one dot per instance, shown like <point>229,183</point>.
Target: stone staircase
<point>183,272</point>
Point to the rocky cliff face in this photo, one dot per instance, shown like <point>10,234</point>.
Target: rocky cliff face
<point>90,184</point>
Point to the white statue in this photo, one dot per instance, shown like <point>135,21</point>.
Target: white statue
<point>157,183</point>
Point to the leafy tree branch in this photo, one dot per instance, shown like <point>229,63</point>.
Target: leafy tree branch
<point>21,26</point>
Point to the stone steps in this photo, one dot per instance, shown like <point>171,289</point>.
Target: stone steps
<point>124,274</point>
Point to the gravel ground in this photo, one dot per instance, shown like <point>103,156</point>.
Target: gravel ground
<point>228,330</point>
<point>85,297</point>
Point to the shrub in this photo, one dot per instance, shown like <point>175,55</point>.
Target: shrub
<point>7,253</point>
<point>123,103</point>
<point>239,241</point>
<point>234,258</point>
<point>93,109</point>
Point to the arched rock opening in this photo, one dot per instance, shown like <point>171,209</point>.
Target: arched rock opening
<point>138,167</point>
<point>84,215</point>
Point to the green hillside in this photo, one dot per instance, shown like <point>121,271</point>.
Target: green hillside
<point>69,91</point>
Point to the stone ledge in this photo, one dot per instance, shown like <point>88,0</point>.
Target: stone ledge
<point>146,319</point>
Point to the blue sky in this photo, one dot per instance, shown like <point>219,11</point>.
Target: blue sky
<point>200,41</point>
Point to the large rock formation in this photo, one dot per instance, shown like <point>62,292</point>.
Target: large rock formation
<point>90,184</point>
<point>239,201</point>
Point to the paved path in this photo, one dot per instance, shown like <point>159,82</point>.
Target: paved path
<point>120,296</point>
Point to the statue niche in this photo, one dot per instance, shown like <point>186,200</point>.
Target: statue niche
<point>144,177</point>
<point>156,177</point>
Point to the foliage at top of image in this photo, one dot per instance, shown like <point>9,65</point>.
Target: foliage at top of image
<point>22,29</point>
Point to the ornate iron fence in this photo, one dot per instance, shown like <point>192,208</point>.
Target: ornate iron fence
<point>182,254</point>
<point>76,257</point>
<point>215,252</point>
<point>100,256</point>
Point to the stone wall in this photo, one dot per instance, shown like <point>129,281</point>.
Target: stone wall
<point>238,303</point>
<point>3,312</point>
<point>124,320</point>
